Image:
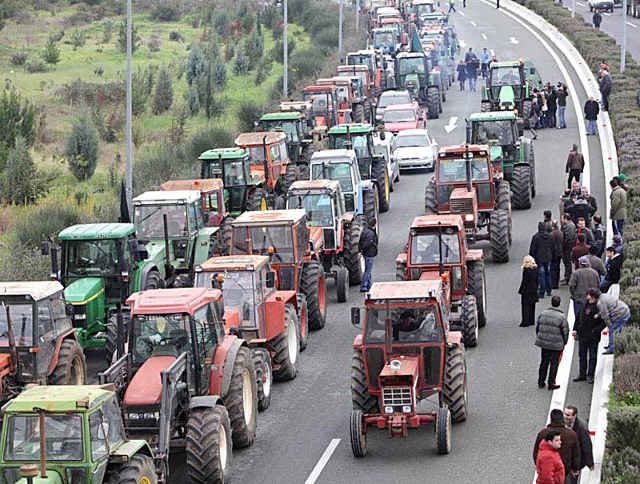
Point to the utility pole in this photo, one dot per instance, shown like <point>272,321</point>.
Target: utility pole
<point>285,56</point>
<point>357,15</point>
<point>340,31</point>
<point>129,179</point>
<point>623,47</point>
<point>573,8</point>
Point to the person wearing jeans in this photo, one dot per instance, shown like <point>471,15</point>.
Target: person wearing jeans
<point>368,246</point>
<point>612,311</point>
<point>591,111</point>
<point>542,250</point>
<point>562,95</point>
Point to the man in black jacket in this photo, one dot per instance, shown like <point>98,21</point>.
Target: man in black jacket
<point>587,330</point>
<point>613,266</point>
<point>368,246</point>
<point>543,251</point>
<point>572,421</point>
<point>591,111</point>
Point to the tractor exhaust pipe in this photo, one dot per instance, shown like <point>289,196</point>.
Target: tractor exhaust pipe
<point>467,161</point>
<point>440,266</point>
<point>389,335</point>
<point>168,268</point>
<point>266,165</point>
<point>54,263</point>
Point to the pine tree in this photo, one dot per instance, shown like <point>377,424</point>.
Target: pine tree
<point>196,65</point>
<point>82,147</point>
<point>163,95</point>
<point>19,177</point>
<point>122,37</point>
<point>242,63</point>
<point>193,101</point>
<point>51,53</point>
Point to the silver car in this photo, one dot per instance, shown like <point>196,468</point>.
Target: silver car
<point>387,98</point>
<point>414,149</point>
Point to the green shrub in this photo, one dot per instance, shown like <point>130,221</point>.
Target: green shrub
<point>207,139</point>
<point>196,65</point>
<point>51,52</point>
<point>44,221</point>
<point>19,58</point>
<point>242,63</point>
<point>306,62</point>
<point>628,341</point>
<point>19,262</point>
<point>221,23</point>
<point>622,428</point>
<point>159,162</point>
<point>107,31</point>
<point>193,101</point>
<point>77,38</point>
<point>122,37</point>
<point>248,112</point>
<point>19,178</point>
<point>35,64</point>
<point>82,147</point>
<point>17,118</point>
<point>621,467</point>
<point>626,375</point>
<point>163,96</point>
<point>166,13</point>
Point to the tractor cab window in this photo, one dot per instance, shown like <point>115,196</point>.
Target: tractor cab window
<point>340,172</point>
<point>112,419</point>
<point>159,335</point>
<point>195,216</point>
<point>275,154</point>
<point>273,240</point>
<point>234,174</point>
<point>383,39</point>
<point>149,221</point>
<point>425,9</point>
<point>256,155</point>
<point>45,323</point>
<point>21,322</point>
<point>98,436</point>
<point>98,258</point>
<point>494,132</point>
<point>283,150</point>
<point>210,201</point>
<point>204,334</point>
<point>212,169</point>
<point>505,76</point>
<point>411,65</point>
<point>358,143</point>
<point>302,236</point>
<point>63,438</point>
<point>238,289</point>
<point>408,325</point>
<point>425,248</point>
<point>452,170</point>
<point>59,313</point>
<point>318,207</point>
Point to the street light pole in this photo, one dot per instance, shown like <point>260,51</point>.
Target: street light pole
<point>129,180</point>
<point>623,47</point>
<point>285,55</point>
<point>340,31</point>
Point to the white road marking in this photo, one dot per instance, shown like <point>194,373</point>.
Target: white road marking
<point>315,473</point>
<point>632,25</point>
<point>452,124</point>
<point>492,53</point>
<point>461,13</point>
<point>463,44</point>
<point>581,4</point>
<point>473,23</point>
<point>513,40</point>
<point>607,14</point>
<point>484,36</point>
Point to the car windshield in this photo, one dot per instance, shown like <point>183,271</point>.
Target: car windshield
<point>387,99</point>
<point>359,144</point>
<point>394,116</point>
<point>21,320</point>
<point>494,132</point>
<point>287,126</point>
<point>411,65</point>
<point>63,438</point>
<point>426,247</point>
<point>97,258</point>
<point>340,172</point>
<point>505,76</point>
<point>317,206</point>
<point>159,335</point>
<point>149,221</point>
<point>234,174</point>
<point>409,325</point>
<point>454,170</point>
<point>273,240</point>
<point>414,140</point>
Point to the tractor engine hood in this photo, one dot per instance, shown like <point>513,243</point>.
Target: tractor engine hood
<point>84,290</point>
<point>145,388</point>
<point>507,98</point>
<point>406,373</point>
<point>52,478</point>
<point>155,249</point>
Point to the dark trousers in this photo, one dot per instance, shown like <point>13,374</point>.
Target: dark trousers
<point>568,264</point>
<point>544,279</point>
<point>528,314</point>
<point>618,227</point>
<point>588,352</point>
<point>605,101</point>
<point>555,272</point>
<point>548,364</point>
<point>577,307</point>
<point>573,174</point>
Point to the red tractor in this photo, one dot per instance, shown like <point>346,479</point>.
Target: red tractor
<point>274,323</point>
<point>405,354</point>
<point>283,235</point>
<point>437,245</point>
<point>185,381</point>
<point>467,183</point>
<point>324,106</point>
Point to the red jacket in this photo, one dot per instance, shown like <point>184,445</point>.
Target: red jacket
<point>549,465</point>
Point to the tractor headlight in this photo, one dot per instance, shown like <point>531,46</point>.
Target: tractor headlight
<point>406,409</point>
<point>468,217</point>
<point>388,409</point>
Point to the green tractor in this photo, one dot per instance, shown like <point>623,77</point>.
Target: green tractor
<point>508,88</point>
<point>414,72</point>
<point>513,154</point>
<point>70,435</point>
<point>372,165</point>
<point>299,140</point>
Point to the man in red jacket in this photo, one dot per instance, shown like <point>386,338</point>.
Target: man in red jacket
<point>549,465</point>
<point>569,449</point>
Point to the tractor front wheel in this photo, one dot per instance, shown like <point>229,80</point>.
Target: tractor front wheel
<point>241,400</point>
<point>430,203</point>
<point>286,347</point>
<point>291,174</point>
<point>521,187</point>
<point>139,468</point>
<point>531,160</point>
<point>443,430</point>
<point>454,392</point>
<point>380,175</point>
<point>485,106</point>
<point>358,113</point>
<point>499,235</point>
<point>313,287</point>
<point>71,368</point>
<point>527,106</point>
<point>208,446</point>
<point>342,284</point>
<point>433,103</point>
<point>154,281</point>
<point>358,437</point>
<point>351,256</point>
<point>477,286</point>
<point>503,196</point>
<point>361,399</point>
<point>264,377</point>
<point>223,238</point>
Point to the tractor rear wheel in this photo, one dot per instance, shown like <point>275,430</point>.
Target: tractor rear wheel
<point>530,157</point>
<point>526,112</point>
<point>430,203</point>
<point>208,445</point>
<point>139,468</point>
<point>223,238</point>
<point>433,103</point>
<point>154,281</point>
<point>241,400</point>
<point>342,284</point>
<point>286,347</point>
<point>258,200</point>
<point>358,437</point>
<point>307,153</point>
<point>503,196</point>
<point>521,186</point>
<point>361,399</point>
<point>370,205</point>
<point>351,256</point>
<point>477,286</point>
<point>313,287</point>
<point>443,430</point>
<point>303,321</point>
<point>290,175</point>
<point>380,175</point>
<point>357,113</point>
<point>454,391</point>
<point>264,377</point>
<point>400,272</point>
<point>71,368</point>
<point>469,320</point>
<point>111,336</point>
<point>303,171</point>
<point>499,235</point>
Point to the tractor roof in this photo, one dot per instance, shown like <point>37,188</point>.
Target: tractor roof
<point>59,398</point>
<point>353,68</point>
<point>354,128</point>
<point>493,116</point>
<point>235,263</point>
<point>363,52</point>
<point>387,11</point>
<point>96,231</point>
<point>515,63</point>
<point>269,217</point>
<point>332,185</point>
<point>158,197</point>
<point>389,291</point>
<point>334,155</point>
<point>428,221</point>
<point>37,290</point>
<point>224,153</point>
<point>409,55</point>
<point>204,185</point>
<point>320,88</point>
<point>460,149</point>
<point>423,2</point>
<point>384,30</point>
<point>172,301</point>
<point>285,116</point>
<point>391,20</point>
<point>253,139</point>
<point>296,106</point>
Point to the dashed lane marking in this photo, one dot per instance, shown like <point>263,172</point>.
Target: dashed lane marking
<point>473,23</point>
<point>632,25</point>
<point>315,473</point>
<point>581,4</point>
<point>484,36</point>
<point>461,13</point>
<point>513,40</point>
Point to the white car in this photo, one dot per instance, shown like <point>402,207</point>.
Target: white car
<point>414,149</point>
<point>601,5</point>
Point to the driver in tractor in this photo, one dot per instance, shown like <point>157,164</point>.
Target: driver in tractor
<point>160,331</point>
<point>234,178</point>
<point>427,250</point>
<point>509,78</point>
<point>416,325</point>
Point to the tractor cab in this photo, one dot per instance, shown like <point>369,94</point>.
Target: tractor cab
<point>211,195</point>
<point>383,39</point>
<point>268,155</point>
<point>424,7</point>
<point>324,106</point>
<point>412,71</point>
<point>508,89</point>
<point>357,70</point>
<point>293,124</point>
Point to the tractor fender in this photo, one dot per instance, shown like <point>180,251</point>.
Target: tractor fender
<point>473,255</point>
<point>454,338</point>
<point>223,362</point>
<point>144,273</point>
<point>357,342</point>
<point>316,239</point>
<point>205,401</point>
<point>71,334</point>
<point>402,258</point>
<point>129,449</point>
<point>275,312</point>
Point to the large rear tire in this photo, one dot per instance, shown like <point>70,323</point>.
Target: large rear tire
<point>154,281</point>
<point>342,284</point>
<point>454,392</point>
<point>264,377</point>
<point>477,286</point>
<point>531,160</point>
<point>357,113</point>
<point>369,205</point>
<point>526,112</point>
<point>469,320</point>
<point>139,469</point>
<point>433,103</point>
<point>400,272</point>
<point>351,253</point>
<point>223,239</point>
<point>430,202</point>
<point>208,445</point>
<point>303,321</point>
<point>258,200</point>
<point>313,287</point>
<point>358,437</point>
<point>521,187</point>
<point>499,235</point>
<point>503,196</point>
<point>71,367</point>
<point>286,347</point>
<point>291,174</point>
<point>361,399</point>
<point>241,400</point>
<point>380,175</point>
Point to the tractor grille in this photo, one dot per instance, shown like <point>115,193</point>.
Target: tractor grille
<point>286,276</point>
<point>329,239</point>
<point>396,397</point>
<point>461,205</point>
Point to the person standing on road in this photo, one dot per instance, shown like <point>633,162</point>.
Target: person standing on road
<point>591,200</point>
<point>579,250</point>
<point>582,279</point>
<point>606,84</point>
<point>618,210</point>
<point>568,229</point>
<point>561,94</point>
<point>552,334</point>
<point>368,246</point>
<point>549,464</point>
<point>617,244</point>
<point>575,165</point>
<point>552,104</point>
<point>472,71</point>
<point>542,250</point>
<point>484,62</point>
<point>587,330</point>
<point>572,421</point>
<point>596,19</point>
<point>569,450</point>
<point>528,291</point>
<point>557,237</point>
<point>613,266</point>
<point>591,110</point>
<point>599,237</point>
<point>596,264</point>
<point>614,314</point>
<point>462,73</point>
<point>452,6</point>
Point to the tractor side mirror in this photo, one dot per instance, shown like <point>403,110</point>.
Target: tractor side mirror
<point>44,248</point>
<point>355,316</point>
<point>271,279</point>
